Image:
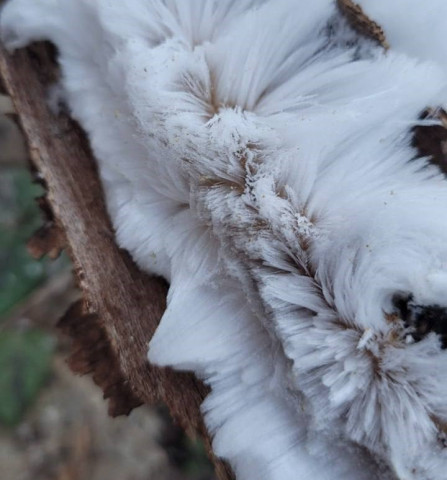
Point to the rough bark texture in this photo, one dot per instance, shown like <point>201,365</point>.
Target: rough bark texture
<point>121,306</point>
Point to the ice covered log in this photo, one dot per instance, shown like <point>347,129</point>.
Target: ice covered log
<point>260,155</point>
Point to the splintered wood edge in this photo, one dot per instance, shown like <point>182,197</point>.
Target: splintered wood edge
<point>121,306</point>
<point>91,353</point>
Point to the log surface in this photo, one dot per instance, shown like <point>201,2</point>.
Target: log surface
<point>121,306</point>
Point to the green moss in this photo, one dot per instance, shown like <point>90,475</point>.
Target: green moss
<point>19,218</point>
<point>25,360</point>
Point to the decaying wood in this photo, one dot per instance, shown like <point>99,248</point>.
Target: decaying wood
<point>431,140</point>
<point>93,354</point>
<point>121,306</point>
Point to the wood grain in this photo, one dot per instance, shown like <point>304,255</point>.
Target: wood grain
<point>121,306</point>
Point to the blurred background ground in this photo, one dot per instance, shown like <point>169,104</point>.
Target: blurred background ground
<point>54,425</point>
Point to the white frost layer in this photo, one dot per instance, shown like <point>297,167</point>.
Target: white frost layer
<point>257,155</point>
<point>412,27</point>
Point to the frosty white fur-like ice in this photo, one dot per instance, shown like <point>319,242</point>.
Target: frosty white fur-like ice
<point>257,154</point>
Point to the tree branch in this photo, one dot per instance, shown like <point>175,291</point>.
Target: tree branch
<point>121,306</point>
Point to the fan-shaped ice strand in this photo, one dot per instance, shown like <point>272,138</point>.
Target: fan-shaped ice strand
<point>412,28</point>
<point>257,154</point>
